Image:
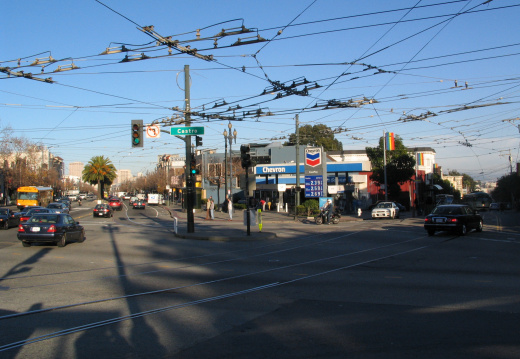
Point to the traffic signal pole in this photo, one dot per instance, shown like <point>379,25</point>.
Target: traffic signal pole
<point>190,180</point>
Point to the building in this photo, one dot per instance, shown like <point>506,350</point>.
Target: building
<point>123,176</point>
<point>76,169</point>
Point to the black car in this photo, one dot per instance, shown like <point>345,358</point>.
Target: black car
<point>458,218</point>
<point>60,207</point>
<point>8,218</point>
<point>67,202</point>
<point>139,204</point>
<point>102,210</point>
<point>55,228</point>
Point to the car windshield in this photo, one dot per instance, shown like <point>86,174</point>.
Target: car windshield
<point>447,210</point>
<point>384,205</point>
<point>3,212</point>
<point>54,205</point>
<point>44,219</point>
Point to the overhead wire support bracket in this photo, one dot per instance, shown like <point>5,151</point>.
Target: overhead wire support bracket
<point>28,75</point>
<point>167,41</point>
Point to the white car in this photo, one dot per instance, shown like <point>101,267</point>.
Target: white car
<point>385,210</point>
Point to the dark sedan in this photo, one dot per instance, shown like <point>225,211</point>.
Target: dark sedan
<point>102,210</point>
<point>55,228</point>
<point>60,207</point>
<point>139,204</point>
<point>8,218</point>
<point>455,218</point>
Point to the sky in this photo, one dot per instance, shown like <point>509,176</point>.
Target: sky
<point>439,74</point>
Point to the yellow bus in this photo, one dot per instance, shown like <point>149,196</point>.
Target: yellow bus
<point>33,196</point>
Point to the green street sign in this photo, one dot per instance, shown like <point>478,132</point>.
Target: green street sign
<point>186,131</point>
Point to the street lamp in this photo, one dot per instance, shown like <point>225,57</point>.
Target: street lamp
<point>229,137</point>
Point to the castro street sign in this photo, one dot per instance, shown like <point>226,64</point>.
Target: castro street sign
<point>186,131</point>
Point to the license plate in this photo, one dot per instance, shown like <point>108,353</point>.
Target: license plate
<point>35,229</point>
<point>100,213</point>
<point>439,220</point>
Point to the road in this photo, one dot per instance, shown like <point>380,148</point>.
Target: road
<point>368,289</point>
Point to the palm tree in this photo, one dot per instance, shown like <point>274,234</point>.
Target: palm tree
<point>99,171</point>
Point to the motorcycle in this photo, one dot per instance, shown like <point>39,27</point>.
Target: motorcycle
<point>322,217</point>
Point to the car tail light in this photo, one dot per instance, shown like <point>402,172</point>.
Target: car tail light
<point>426,220</point>
<point>52,229</point>
<point>24,219</point>
<point>95,209</point>
<point>452,220</point>
<point>20,228</point>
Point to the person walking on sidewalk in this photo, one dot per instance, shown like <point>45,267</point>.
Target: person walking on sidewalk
<point>207,208</point>
<point>211,208</point>
<point>230,209</point>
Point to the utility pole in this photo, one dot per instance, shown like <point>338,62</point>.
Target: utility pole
<point>297,189</point>
<point>190,181</point>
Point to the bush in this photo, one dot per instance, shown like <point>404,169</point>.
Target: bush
<point>239,206</point>
<point>312,207</point>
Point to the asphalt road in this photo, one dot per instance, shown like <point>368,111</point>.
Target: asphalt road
<point>369,289</point>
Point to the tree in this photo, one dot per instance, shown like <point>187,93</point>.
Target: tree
<point>400,166</point>
<point>100,171</point>
<point>317,136</point>
<point>508,189</point>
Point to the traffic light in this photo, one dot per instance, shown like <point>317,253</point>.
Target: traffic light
<point>137,133</point>
<point>193,167</point>
<point>198,141</point>
<point>245,155</point>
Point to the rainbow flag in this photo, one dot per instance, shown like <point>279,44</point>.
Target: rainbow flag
<point>435,167</point>
<point>420,159</point>
<point>390,141</point>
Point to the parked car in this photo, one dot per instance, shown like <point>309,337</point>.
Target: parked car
<point>60,207</point>
<point>8,218</point>
<point>102,210</point>
<point>139,204</point>
<point>494,206</point>
<point>458,218</point>
<point>24,217</point>
<point>116,204</point>
<point>127,196</point>
<point>385,210</point>
<point>55,228</point>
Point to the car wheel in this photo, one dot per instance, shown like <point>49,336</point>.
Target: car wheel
<point>463,230</point>
<point>25,244</point>
<point>6,225</point>
<point>431,232</point>
<point>62,241</point>
<point>81,236</point>
<point>479,226</point>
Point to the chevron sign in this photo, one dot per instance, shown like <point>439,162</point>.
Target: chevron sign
<point>313,159</point>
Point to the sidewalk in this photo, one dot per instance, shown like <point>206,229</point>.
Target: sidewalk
<point>221,229</point>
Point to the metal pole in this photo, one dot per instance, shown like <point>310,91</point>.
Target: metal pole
<point>225,164</point>
<point>384,158</point>
<point>189,177</point>
<point>297,189</point>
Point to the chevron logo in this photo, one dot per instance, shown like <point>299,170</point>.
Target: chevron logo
<point>313,159</point>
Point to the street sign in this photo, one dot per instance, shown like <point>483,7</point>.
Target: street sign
<point>186,131</point>
<point>153,131</point>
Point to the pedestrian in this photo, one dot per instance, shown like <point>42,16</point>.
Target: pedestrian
<point>230,209</point>
<point>262,203</point>
<point>207,208</point>
<point>212,208</point>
